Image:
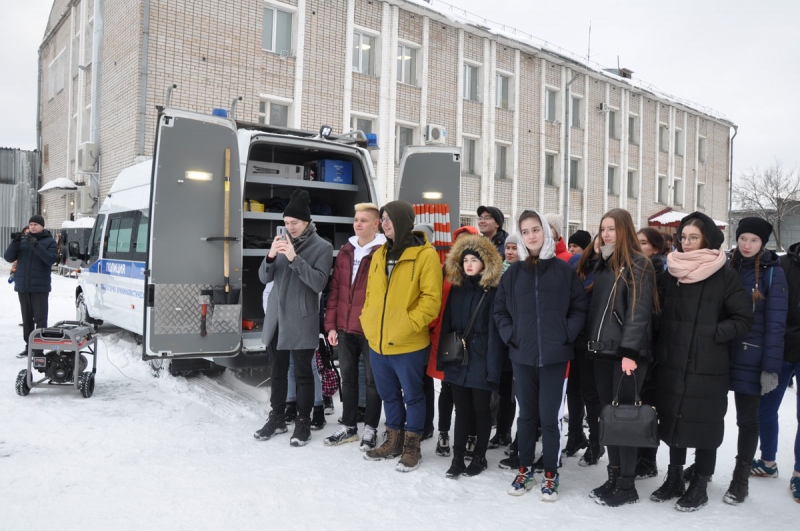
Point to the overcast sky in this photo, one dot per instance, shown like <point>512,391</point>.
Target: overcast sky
<point>739,57</point>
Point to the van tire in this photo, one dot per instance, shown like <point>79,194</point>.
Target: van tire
<point>82,312</point>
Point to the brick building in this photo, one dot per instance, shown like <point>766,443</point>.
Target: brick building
<point>398,68</point>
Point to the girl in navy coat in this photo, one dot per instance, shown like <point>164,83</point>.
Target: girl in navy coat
<point>540,308</point>
<point>473,267</point>
<point>756,357</point>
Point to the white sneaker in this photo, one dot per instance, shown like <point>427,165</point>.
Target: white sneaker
<point>344,434</point>
<point>369,439</point>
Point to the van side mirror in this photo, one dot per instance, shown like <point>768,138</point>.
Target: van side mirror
<point>75,251</point>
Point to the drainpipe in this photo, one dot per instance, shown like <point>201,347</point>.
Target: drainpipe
<point>565,207</point>
<point>34,195</point>
<point>730,189</point>
<point>143,76</point>
<point>97,68</point>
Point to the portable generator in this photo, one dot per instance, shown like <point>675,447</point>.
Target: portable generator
<point>59,352</point>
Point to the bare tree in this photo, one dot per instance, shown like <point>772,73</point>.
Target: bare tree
<point>772,193</point>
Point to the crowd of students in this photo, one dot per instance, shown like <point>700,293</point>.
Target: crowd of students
<point>545,319</point>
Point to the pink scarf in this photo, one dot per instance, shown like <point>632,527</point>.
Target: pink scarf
<point>695,266</point>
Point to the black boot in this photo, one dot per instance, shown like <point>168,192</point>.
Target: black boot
<point>672,486</point>
<point>575,442</point>
<point>609,485</point>
<point>592,455</point>
<point>476,466</point>
<point>624,493</point>
<point>738,490</point>
<point>318,418</point>
<point>457,467</point>
<point>645,468</point>
<point>291,412</point>
<point>696,495</point>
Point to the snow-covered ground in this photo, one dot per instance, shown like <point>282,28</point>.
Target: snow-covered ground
<point>175,453</point>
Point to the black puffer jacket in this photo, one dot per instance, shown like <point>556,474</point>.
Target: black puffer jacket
<point>621,313</point>
<point>34,262</point>
<point>791,266</point>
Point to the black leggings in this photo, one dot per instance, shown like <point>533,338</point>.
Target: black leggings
<point>705,460</point>
<point>445,407</point>
<point>472,408</point>
<point>507,406</point>
<point>747,407</point>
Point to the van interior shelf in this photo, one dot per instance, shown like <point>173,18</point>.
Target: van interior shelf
<point>300,183</point>
<point>277,216</point>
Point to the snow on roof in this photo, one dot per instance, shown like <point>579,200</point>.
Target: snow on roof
<point>461,16</point>
<point>133,176</point>
<point>61,183</point>
<point>81,223</point>
<point>673,218</point>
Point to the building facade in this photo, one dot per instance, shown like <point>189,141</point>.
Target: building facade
<point>19,173</point>
<point>403,69</point>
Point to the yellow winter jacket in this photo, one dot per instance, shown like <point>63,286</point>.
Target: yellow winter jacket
<point>398,310</point>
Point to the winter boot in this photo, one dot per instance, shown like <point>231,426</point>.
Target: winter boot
<point>672,487</point>
<point>549,487</point>
<point>509,463</point>
<point>470,451</point>
<point>291,412</point>
<point>302,431</point>
<point>645,468</point>
<point>696,495</point>
<point>624,493</point>
<point>318,418</point>
<point>592,455</point>
<point>575,442</point>
<point>457,467</point>
<point>443,444</point>
<point>391,447</point>
<point>609,485</point>
<point>427,433</point>
<point>499,439</point>
<point>274,426</point>
<point>476,466</point>
<point>738,490</point>
<point>513,448</point>
<point>412,456</point>
<point>523,482</point>
<point>327,404</point>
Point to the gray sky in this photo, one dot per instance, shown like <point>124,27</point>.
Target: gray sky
<point>737,57</point>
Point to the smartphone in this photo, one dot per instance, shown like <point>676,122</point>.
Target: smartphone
<point>281,233</point>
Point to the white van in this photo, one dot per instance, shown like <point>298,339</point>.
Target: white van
<point>175,251</point>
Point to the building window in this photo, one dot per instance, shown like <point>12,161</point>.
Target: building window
<point>661,189</point>
<point>613,124</point>
<point>467,221</point>
<point>550,169</point>
<point>551,105</point>
<point>406,64</point>
<point>678,142</point>
<point>633,130</point>
<point>469,158</point>
<point>613,185</point>
<point>701,149</point>
<point>663,138</point>
<point>575,177</point>
<point>405,137</point>
<point>471,78</point>
<point>677,192</point>
<point>501,163</point>
<point>364,125</point>
<point>503,92</point>
<point>633,185</point>
<point>701,199</point>
<point>364,53</point>
<point>277,32</point>
<point>55,76</point>
<point>576,117</point>
<point>76,54</point>
<point>272,113</point>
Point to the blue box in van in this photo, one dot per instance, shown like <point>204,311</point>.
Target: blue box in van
<point>335,171</point>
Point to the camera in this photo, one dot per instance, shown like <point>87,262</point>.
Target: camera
<point>16,236</point>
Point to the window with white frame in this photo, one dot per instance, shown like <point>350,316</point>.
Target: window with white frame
<point>363,124</point>
<point>572,228</point>
<point>613,124</point>
<point>661,189</point>
<point>701,149</point>
<point>576,118</point>
<point>55,75</point>
<point>471,82</point>
<point>612,182</point>
<point>551,105</point>
<point>364,53</point>
<point>663,138</point>
<point>550,173</point>
<point>277,30</point>
<point>406,64</point>
<point>273,112</point>
<point>502,163</point>
<point>470,163</point>
<point>633,129</point>
<point>679,142</point>
<point>503,92</point>
<point>633,185</point>
<point>88,38</point>
<point>405,138</point>
<point>467,221</point>
<point>701,194</point>
<point>76,54</point>
<point>575,174</point>
<point>677,192</point>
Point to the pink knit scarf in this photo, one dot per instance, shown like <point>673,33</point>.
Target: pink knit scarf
<point>695,266</point>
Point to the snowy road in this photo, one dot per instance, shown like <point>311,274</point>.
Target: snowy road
<point>171,453</point>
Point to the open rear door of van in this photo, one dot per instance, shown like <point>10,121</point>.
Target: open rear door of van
<point>193,278</point>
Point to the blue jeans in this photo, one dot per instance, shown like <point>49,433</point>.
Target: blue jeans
<point>768,416</point>
<point>398,378</point>
<point>291,394</point>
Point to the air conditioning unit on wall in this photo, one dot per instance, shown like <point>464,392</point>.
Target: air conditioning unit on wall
<point>603,107</point>
<point>87,157</point>
<point>435,134</point>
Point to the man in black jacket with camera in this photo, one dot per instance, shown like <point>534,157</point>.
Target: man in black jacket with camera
<point>35,253</point>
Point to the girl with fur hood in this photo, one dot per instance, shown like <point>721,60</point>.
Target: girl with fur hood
<point>473,269</point>
<point>540,308</point>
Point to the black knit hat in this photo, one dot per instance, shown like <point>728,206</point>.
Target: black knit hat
<point>472,252</point>
<point>711,233</point>
<point>758,226</point>
<point>36,218</point>
<point>495,212</point>
<point>581,238</point>
<point>299,206</point>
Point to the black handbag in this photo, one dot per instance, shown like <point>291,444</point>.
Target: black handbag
<point>629,425</point>
<point>453,345</point>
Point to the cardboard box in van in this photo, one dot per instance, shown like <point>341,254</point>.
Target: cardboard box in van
<point>273,169</point>
<point>335,171</point>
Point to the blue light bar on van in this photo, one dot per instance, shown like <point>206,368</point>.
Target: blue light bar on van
<point>372,141</point>
<point>199,175</point>
<point>219,112</point>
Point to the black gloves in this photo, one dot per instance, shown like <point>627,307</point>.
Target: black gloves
<point>16,237</point>
<point>33,241</point>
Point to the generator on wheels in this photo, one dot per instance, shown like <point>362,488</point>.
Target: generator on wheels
<point>59,352</point>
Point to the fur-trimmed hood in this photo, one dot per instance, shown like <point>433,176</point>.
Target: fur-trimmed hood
<point>492,262</point>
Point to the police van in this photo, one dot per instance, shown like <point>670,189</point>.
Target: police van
<point>176,247</point>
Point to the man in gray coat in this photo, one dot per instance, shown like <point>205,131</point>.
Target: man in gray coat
<point>299,263</point>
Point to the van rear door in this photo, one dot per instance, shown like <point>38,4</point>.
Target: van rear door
<point>194,261</point>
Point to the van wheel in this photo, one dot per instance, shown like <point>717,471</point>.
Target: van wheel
<point>82,312</point>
